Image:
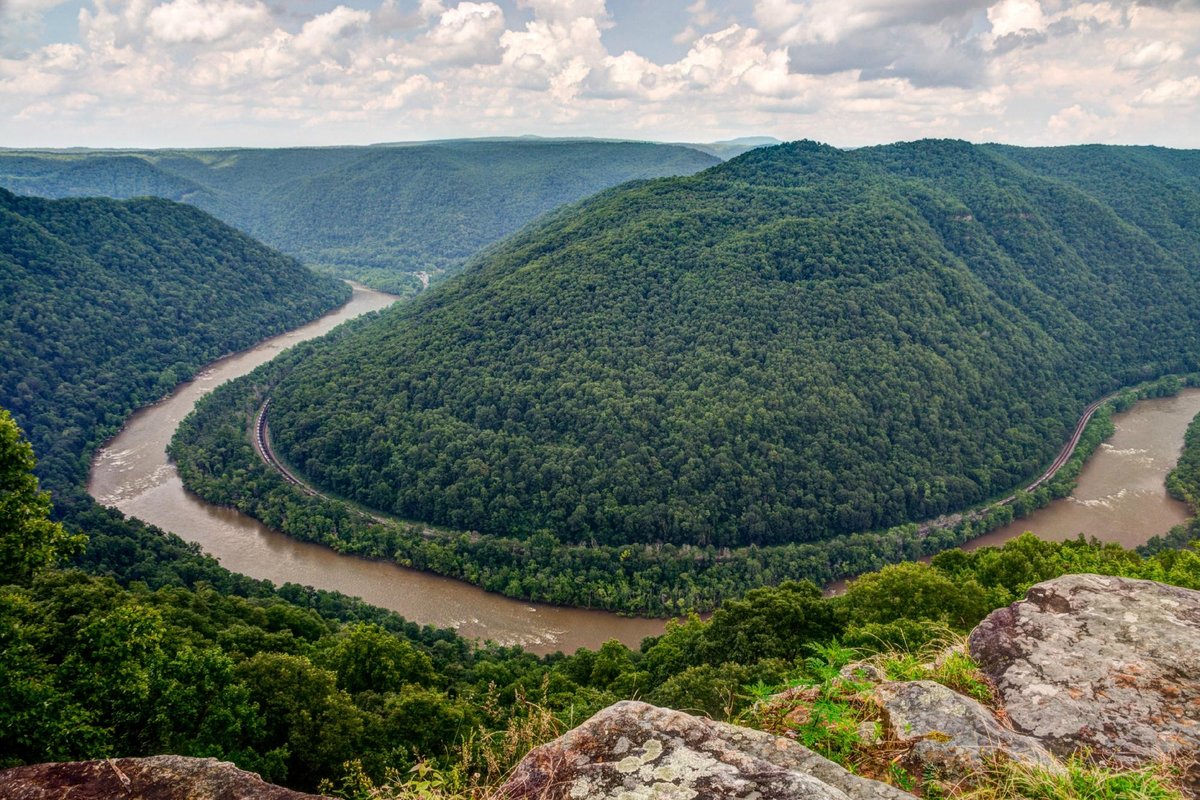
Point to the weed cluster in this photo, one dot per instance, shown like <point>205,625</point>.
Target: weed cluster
<point>829,707</point>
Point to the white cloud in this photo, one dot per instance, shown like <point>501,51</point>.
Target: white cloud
<point>566,10</point>
<point>1152,54</point>
<point>1016,16</point>
<point>205,72</point>
<point>701,14</point>
<point>326,31</point>
<point>1075,123</point>
<point>466,33</point>
<point>205,20</point>
<point>1172,92</point>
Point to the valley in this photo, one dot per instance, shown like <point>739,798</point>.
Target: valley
<point>132,472</point>
<point>598,399</point>
<point>393,216</point>
<point>900,321</point>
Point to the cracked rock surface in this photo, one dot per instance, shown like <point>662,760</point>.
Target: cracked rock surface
<point>1112,664</point>
<point>952,733</point>
<point>635,751</point>
<point>153,778</point>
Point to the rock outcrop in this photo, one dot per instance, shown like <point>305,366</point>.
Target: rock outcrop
<point>153,778</point>
<point>635,751</point>
<point>949,733</point>
<point>1110,664</point>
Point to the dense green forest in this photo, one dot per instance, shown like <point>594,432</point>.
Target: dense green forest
<point>217,461</point>
<point>133,643</point>
<point>107,305</point>
<point>170,653</point>
<point>376,214</point>
<point>793,347</point>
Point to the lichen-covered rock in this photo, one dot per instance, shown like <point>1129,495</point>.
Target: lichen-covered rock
<point>862,672</point>
<point>950,733</point>
<point>1111,664</point>
<point>153,778</point>
<point>635,751</point>
<point>789,755</point>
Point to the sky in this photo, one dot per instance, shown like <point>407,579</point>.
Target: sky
<point>206,73</point>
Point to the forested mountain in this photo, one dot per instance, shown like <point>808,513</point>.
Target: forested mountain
<point>799,344</point>
<point>377,214</point>
<point>731,148</point>
<point>105,305</point>
<point>140,645</point>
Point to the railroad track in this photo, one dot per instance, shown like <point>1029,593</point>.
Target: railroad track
<point>1068,450</point>
<point>262,444</point>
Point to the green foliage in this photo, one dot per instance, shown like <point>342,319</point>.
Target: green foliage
<point>308,688</point>
<point>819,708</point>
<point>835,715</point>
<point>802,351</point>
<point>913,592</point>
<point>376,214</point>
<point>216,460</point>
<point>1183,483</point>
<point>29,540</point>
<point>768,623</point>
<point>367,657</point>
<point>171,653</point>
<point>105,306</point>
<point>1083,780</point>
<point>941,661</point>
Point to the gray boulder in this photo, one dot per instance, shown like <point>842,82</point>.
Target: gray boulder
<point>153,778</point>
<point>862,672</point>
<point>635,751</point>
<point>1111,664</point>
<point>950,733</point>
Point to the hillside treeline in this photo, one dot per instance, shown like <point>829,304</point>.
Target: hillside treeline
<point>793,347</point>
<point>379,214</point>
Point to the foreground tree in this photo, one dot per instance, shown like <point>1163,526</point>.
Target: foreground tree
<point>29,540</point>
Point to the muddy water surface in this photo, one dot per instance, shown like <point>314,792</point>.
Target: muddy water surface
<point>132,473</point>
<point>1122,495</point>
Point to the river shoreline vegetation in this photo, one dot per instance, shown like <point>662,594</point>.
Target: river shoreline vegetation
<point>1183,483</point>
<point>541,422</point>
<point>216,459</point>
<point>385,215</point>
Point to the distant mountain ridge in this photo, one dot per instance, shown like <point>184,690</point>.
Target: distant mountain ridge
<point>392,216</point>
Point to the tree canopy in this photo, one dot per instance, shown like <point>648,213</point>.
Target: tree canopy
<point>106,305</point>
<point>29,539</point>
<point>800,344</point>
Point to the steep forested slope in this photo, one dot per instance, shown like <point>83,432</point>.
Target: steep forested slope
<point>105,305</point>
<point>378,214</point>
<point>799,344</point>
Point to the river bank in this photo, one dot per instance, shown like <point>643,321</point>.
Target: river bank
<point>1121,494</point>
<point>133,473</point>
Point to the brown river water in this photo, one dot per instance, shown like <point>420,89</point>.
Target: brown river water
<point>132,473</point>
<point>1121,497</point>
<point>1122,494</point>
